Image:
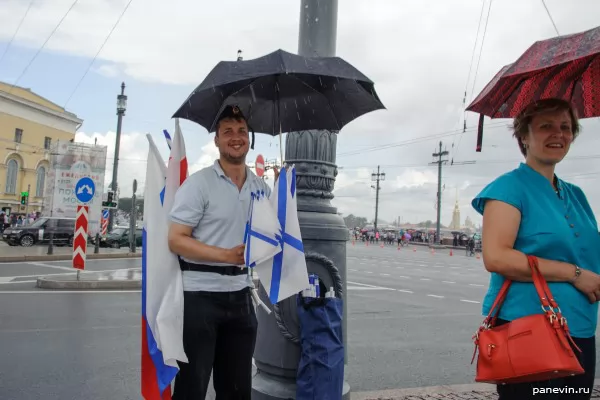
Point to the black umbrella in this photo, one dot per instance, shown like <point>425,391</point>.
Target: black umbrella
<point>283,92</point>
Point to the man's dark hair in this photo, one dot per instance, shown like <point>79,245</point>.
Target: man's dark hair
<point>230,112</point>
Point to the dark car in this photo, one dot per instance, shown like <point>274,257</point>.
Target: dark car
<point>119,237</point>
<point>39,232</point>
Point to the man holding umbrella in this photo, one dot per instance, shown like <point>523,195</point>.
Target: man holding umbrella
<point>207,231</point>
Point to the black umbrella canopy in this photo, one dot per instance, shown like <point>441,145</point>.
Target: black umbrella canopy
<point>283,92</point>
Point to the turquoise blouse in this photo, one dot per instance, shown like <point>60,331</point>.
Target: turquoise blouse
<point>554,226</point>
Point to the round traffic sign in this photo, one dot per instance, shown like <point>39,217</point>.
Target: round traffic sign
<point>260,166</point>
<point>85,189</point>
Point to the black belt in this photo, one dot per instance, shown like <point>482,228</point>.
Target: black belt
<point>232,270</point>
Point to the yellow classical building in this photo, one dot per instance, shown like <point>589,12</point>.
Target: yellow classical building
<point>29,124</point>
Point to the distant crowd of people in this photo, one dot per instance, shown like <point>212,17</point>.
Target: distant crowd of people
<point>14,219</point>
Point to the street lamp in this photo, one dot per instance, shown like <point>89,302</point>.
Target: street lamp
<point>121,108</point>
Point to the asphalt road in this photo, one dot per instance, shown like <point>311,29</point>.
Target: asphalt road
<point>411,318</point>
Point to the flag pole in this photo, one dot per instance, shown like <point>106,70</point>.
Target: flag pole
<point>281,145</point>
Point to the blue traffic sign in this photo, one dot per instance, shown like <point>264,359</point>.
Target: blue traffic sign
<point>85,189</point>
<point>105,214</point>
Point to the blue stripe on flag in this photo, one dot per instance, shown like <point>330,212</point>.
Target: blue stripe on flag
<point>162,195</point>
<point>281,216</point>
<point>164,373</point>
<point>292,241</point>
<point>168,137</point>
<point>265,238</point>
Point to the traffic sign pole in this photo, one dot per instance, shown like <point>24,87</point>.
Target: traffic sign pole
<point>80,238</point>
<point>84,191</point>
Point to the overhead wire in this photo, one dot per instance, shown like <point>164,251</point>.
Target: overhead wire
<point>481,49</point>
<point>43,45</point>
<point>464,101</point>
<point>16,32</point>
<point>98,53</point>
<point>550,16</point>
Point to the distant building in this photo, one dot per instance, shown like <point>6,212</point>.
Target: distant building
<point>468,223</point>
<point>455,224</point>
<point>29,124</point>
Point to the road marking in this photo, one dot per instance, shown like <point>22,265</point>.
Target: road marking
<point>454,267</point>
<point>355,270</point>
<point>475,284</point>
<point>4,279</point>
<point>367,288</point>
<point>448,282</point>
<point>422,265</point>
<point>436,296</point>
<point>364,286</point>
<point>399,267</point>
<point>369,272</point>
<point>384,274</point>
<point>402,276</point>
<point>469,301</point>
<point>51,266</point>
<point>425,279</point>
<point>11,282</point>
<point>68,291</point>
<point>404,291</point>
<point>73,272</point>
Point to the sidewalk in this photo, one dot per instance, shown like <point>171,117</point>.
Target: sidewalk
<point>477,391</point>
<point>39,253</point>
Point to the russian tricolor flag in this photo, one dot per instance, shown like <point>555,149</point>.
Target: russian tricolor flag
<point>162,286</point>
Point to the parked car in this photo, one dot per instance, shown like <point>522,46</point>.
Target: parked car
<point>119,237</point>
<point>39,232</point>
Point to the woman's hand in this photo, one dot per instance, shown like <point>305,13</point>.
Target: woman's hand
<point>588,283</point>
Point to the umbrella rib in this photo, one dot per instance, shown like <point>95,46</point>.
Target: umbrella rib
<point>316,91</point>
<point>228,96</point>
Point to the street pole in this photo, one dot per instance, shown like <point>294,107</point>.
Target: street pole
<point>439,163</point>
<point>324,233</point>
<point>376,177</point>
<point>121,107</point>
<point>132,219</point>
<point>27,203</point>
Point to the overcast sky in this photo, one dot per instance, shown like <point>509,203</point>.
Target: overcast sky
<point>418,53</point>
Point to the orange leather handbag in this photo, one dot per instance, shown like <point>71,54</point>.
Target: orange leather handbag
<point>528,349</point>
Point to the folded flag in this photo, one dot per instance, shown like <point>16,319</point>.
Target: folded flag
<point>262,231</point>
<point>286,273</point>
<point>162,287</point>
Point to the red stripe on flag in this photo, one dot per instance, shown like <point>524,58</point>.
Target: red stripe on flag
<point>183,170</point>
<point>150,390</point>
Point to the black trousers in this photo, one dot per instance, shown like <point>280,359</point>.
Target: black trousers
<point>578,387</point>
<point>219,335</point>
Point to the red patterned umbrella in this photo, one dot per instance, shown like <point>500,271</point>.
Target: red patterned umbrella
<point>565,67</point>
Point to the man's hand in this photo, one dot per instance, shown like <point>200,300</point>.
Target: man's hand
<point>588,283</point>
<point>276,172</point>
<point>235,255</point>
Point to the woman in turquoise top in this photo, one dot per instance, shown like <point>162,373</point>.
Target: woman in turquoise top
<point>530,211</point>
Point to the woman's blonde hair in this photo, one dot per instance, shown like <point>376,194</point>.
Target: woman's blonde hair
<point>523,120</point>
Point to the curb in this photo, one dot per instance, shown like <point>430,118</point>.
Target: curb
<point>67,257</point>
<point>475,391</point>
<point>44,283</point>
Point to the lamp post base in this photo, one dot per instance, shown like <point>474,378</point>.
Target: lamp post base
<point>269,387</point>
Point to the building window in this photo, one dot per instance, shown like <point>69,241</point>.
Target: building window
<point>41,180</point>
<point>18,135</point>
<point>11,176</point>
<point>47,143</point>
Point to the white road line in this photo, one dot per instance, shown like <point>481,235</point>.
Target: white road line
<point>425,279</point>
<point>355,270</point>
<point>367,288</point>
<point>361,284</point>
<point>51,266</point>
<point>402,276</point>
<point>9,282</point>
<point>6,279</point>
<point>404,291</point>
<point>469,301</point>
<point>436,296</point>
<point>422,265</point>
<point>475,284</point>
<point>384,274</point>
<point>399,267</point>
<point>68,291</point>
<point>369,272</point>
<point>454,267</point>
<point>448,282</point>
